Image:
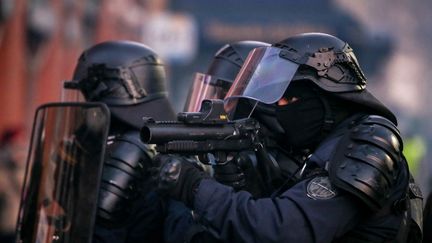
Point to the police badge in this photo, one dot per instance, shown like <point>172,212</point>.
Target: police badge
<point>321,188</point>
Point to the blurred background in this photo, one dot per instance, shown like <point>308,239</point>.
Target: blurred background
<point>40,41</point>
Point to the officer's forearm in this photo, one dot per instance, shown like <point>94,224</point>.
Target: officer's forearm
<point>240,218</point>
<point>292,217</point>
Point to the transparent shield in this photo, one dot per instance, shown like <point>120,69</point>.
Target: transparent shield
<point>63,172</point>
<point>204,87</point>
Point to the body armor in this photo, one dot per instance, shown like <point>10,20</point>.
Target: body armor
<point>369,164</point>
<point>367,161</point>
<point>124,173</point>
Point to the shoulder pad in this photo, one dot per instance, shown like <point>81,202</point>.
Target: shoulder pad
<point>367,160</point>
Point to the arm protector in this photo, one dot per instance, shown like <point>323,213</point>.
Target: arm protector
<point>125,169</point>
<point>367,160</point>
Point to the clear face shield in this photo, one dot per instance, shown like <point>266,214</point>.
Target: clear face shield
<point>205,87</point>
<point>264,77</point>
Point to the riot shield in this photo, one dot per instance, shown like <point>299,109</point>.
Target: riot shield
<point>64,167</point>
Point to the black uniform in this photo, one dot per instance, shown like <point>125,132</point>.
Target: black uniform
<point>353,189</point>
<point>358,196</point>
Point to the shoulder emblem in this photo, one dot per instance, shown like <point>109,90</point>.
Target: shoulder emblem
<point>320,188</point>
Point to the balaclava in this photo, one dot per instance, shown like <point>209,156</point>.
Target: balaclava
<point>310,115</point>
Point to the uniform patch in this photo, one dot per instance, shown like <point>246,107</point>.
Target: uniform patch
<point>321,188</point>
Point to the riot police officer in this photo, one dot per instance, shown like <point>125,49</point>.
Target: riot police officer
<point>354,185</point>
<point>129,77</point>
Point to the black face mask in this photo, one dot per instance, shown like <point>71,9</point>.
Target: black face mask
<point>302,120</point>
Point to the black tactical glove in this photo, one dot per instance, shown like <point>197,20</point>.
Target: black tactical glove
<point>240,174</point>
<point>177,178</point>
<point>230,174</point>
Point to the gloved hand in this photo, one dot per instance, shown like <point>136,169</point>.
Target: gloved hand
<point>177,178</point>
<point>240,174</point>
<point>230,174</point>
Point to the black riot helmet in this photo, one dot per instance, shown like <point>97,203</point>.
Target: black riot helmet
<point>215,83</point>
<point>128,76</point>
<point>325,60</point>
<point>322,59</point>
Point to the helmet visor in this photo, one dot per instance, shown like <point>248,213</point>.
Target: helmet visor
<point>148,78</point>
<point>204,87</point>
<point>264,76</point>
